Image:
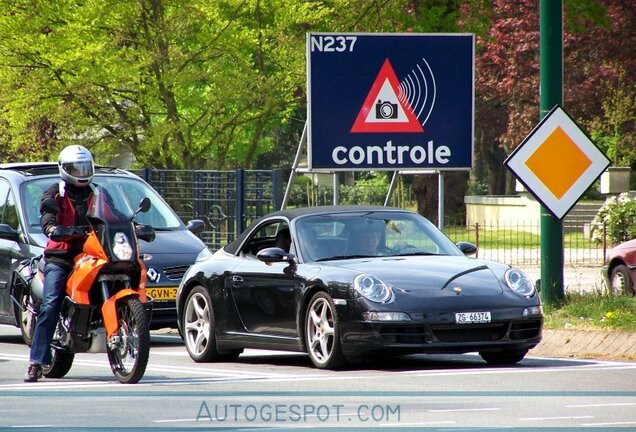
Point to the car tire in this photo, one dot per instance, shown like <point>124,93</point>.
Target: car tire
<point>621,281</point>
<point>322,333</point>
<point>503,357</point>
<point>198,329</point>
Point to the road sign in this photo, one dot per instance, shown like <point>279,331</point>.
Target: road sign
<point>383,111</point>
<point>390,101</point>
<point>557,162</point>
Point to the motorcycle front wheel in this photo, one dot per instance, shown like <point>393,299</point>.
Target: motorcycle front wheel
<point>129,355</point>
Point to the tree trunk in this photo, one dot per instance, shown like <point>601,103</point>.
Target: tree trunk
<point>426,191</point>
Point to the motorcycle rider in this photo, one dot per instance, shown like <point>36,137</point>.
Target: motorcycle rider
<point>63,204</point>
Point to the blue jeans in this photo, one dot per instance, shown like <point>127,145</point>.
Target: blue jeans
<point>54,292</point>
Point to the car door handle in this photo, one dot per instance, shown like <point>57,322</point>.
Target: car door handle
<point>237,281</point>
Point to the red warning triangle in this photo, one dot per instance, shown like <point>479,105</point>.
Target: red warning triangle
<point>382,110</point>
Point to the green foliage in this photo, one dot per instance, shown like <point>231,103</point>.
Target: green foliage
<point>371,190</point>
<point>176,83</point>
<point>614,131</point>
<point>593,311</point>
<point>579,14</point>
<point>616,218</point>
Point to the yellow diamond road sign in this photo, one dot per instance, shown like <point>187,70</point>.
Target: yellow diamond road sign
<point>557,162</point>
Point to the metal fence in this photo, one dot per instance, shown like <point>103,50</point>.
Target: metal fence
<point>519,244</point>
<point>227,201</point>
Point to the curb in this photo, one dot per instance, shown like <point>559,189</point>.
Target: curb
<point>587,344</point>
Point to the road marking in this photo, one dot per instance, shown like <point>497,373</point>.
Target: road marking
<point>609,424</point>
<point>171,353</point>
<point>418,423</point>
<point>463,410</point>
<point>555,418</point>
<point>204,374</point>
<point>601,405</point>
<point>175,420</point>
<point>168,368</point>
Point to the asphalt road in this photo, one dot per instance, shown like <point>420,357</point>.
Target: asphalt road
<point>281,391</point>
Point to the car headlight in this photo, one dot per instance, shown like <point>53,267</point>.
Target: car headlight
<point>519,282</point>
<point>372,288</point>
<point>121,246</point>
<point>203,255</point>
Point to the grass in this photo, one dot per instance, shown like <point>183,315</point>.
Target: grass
<point>592,312</point>
<point>493,237</point>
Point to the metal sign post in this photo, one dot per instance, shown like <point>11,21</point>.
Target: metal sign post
<point>551,94</point>
<point>292,174</point>
<point>556,162</point>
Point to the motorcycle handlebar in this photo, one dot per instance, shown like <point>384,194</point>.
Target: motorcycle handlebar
<point>69,233</point>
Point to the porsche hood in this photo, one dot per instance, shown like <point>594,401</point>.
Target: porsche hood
<point>434,274</point>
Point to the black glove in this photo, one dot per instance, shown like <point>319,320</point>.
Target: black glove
<point>59,233</point>
<point>50,230</point>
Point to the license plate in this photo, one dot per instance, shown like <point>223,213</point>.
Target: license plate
<point>165,293</point>
<point>472,317</point>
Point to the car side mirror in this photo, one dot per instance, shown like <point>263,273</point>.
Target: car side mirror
<point>196,226</point>
<point>467,248</point>
<point>145,232</point>
<point>8,233</point>
<point>274,254</point>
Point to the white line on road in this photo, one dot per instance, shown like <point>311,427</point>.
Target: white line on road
<point>204,374</point>
<point>555,418</point>
<point>431,423</point>
<point>463,410</point>
<point>601,405</point>
<point>610,424</point>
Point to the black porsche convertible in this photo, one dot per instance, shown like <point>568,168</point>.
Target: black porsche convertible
<point>345,282</point>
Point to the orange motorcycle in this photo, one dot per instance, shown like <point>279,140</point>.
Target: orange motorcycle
<point>105,308</point>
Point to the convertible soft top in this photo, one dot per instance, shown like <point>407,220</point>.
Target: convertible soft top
<point>291,214</point>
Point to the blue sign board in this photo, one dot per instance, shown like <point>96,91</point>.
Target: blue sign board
<point>390,101</point>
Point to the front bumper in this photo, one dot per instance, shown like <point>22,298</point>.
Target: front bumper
<point>437,333</point>
<point>164,314</point>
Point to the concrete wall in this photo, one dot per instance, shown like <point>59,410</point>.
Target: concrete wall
<point>502,210</point>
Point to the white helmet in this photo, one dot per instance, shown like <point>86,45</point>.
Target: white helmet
<point>76,165</point>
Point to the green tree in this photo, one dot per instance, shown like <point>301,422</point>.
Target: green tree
<point>176,83</point>
<point>598,44</point>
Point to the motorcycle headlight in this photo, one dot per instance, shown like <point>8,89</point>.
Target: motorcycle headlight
<point>519,282</point>
<point>122,247</point>
<point>372,288</point>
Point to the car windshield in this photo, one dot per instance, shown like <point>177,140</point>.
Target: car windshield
<point>370,234</point>
<point>126,194</point>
